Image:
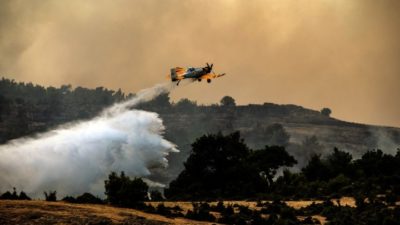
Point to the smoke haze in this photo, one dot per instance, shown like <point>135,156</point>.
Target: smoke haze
<point>330,53</point>
<point>77,158</point>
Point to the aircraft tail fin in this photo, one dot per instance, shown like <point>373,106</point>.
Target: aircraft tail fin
<point>173,74</point>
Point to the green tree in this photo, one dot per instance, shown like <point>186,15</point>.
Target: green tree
<point>123,191</point>
<point>51,196</point>
<point>223,166</point>
<point>88,199</point>
<point>316,169</point>
<point>339,162</point>
<point>326,111</point>
<point>228,101</point>
<point>186,105</point>
<point>268,160</point>
<point>156,195</point>
<point>217,167</point>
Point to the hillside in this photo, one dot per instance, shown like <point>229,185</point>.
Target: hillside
<point>42,212</point>
<point>302,131</point>
<point>26,109</point>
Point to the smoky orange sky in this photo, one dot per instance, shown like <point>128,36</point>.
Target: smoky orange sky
<point>341,54</point>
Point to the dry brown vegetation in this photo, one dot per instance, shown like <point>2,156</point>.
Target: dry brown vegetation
<point>43,213</point>
<point>185,206</point>
<point>349,201</point>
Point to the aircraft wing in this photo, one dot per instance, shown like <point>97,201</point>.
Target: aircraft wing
<point>212,76</point>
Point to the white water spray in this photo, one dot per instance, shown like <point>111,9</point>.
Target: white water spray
<point>77,158</point>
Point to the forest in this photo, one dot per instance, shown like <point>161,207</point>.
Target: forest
<point>27,109</point>
<point>222,167</point>
<point>224,160</point>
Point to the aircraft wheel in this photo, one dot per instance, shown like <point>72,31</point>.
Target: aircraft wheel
<point>208,80</point>
<point>199,80</point>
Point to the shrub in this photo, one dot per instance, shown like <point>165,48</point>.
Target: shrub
<point>23,196</point>
<point>7,196</point>
<point>14,196</point>
<point>326,111</point>
<point>244,216</point>
<point>219,207</point>
<point>89,199</point>
<point>200,212</point>
<point>156,196</point>
<point>391,198</point>
<point>162,210</point>
<point>69,199</point>
<point>51,196</point>
<point>123,191</point>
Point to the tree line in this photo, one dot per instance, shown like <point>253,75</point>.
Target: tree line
<point>222,167</point>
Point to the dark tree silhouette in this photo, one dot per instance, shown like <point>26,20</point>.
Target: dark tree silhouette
<point>223,166</point>
<point>123,191</point>
<point>51,196</point>
<point>326,111</point>
<point>156,195</point>
<point>340,163</point>
<point>88,198</point>
<point>228,101</point>
<point>316,169</point>
<point>186,105</point>
<point>268,160</point>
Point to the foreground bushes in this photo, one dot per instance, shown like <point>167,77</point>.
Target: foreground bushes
<point>85,198</point>
<point>123,191</point>
<point>14,196</point>
<point>51,196</point>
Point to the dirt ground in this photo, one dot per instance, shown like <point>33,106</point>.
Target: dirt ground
<point>46,213</point>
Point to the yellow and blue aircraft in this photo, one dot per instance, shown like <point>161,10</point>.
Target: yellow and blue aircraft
<point>200,73</point>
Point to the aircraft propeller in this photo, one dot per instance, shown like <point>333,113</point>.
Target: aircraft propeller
<point>208,68</point>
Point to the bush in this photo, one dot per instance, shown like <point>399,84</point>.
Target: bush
<point>13,196</point>
<point>51,196</point>
<point>244,216</point>
<point>200,212</point>
<point>162,210</point>
<point>7,196</point>
<point>219,207</point>
<point>156,196</point>
<point>89,199</point>
<point>122,191</point>
<point>69,199</point>
<point>391,198</point>
<point>326,111</point>
<point>23,196</point>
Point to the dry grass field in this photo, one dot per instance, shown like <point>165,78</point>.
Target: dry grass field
<point>253,205</point>
<point>46,213</point>
<point>43,213</point>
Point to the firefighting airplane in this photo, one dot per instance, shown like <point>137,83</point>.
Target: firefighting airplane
<point>200,73</point>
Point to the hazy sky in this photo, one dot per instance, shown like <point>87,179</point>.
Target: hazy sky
<point>342,54</point>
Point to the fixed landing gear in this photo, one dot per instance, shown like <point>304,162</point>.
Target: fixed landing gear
<point>199,80</point>
<point>208,80</point>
